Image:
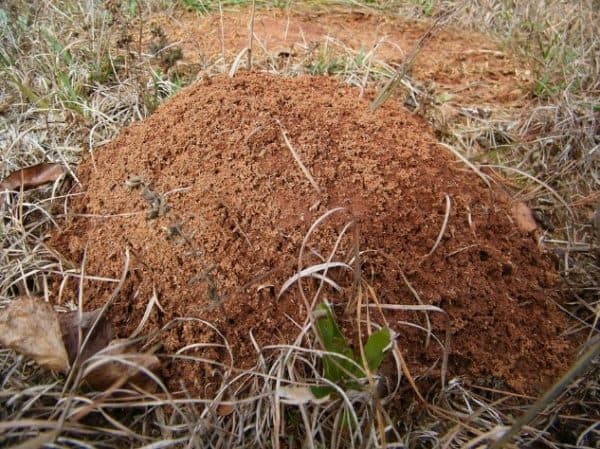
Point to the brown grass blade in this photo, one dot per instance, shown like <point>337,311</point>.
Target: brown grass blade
<point>32,177</point>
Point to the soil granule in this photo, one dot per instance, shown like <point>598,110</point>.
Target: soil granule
<point>213,206</point>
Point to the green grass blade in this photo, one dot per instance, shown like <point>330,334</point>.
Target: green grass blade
<point>375,348</point>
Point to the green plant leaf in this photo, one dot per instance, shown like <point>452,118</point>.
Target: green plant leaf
<point>343,369</point>
<point>58,48</point>
<point>375,348</point>
<point>28,93</point>
<point>132,8</point>
<point>321,392</point>
<point>332,339</point>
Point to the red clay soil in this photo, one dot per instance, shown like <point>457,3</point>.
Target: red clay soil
<point>464,66</point>
<point>238,207</point>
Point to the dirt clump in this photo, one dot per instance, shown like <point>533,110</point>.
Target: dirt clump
<point>214,206</point>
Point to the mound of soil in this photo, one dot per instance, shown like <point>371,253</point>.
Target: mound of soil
<point>214,206</point>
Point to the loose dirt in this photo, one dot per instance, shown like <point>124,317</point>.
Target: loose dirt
<point>214,208</point>
<point>458,65</point>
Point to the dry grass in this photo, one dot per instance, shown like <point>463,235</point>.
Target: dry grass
<point>71,79</point>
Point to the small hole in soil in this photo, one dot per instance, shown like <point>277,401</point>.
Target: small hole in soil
<point>483,256</point>
<point>507,269</point>
<point>457,361</point>
<point>18,289</point>
<point>30,282</point>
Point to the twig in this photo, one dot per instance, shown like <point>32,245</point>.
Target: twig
<point>236,62</point>
<point>549,396</point>
<point>251,34</point>
<point>297,157</point>
<point>395,81</point>
<point>533,178</point>
<point>222,35</point>
<point>444,226</point>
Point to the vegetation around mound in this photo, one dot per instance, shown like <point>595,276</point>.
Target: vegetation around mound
<point>74,74</point>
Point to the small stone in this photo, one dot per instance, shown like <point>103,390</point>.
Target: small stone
<point>523,217</point>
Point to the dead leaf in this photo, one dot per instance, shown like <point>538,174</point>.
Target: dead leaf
<point>298,395</point>
<point>29,326</point>
<point>71,322</point>
<point>31,177</point>
<point>225,409</point>
<point>118,365</point>
<point>523,217</point>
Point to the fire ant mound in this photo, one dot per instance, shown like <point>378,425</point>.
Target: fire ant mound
<point>219,193</point>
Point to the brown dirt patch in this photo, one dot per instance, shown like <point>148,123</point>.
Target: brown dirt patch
<point>242,206</point>
<point>464,65</point>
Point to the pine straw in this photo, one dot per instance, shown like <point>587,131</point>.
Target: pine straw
<point>70,82</point>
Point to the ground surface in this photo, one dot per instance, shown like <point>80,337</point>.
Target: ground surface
<point>239,207</point>
<point>519,100</point>
<point>457,62</point>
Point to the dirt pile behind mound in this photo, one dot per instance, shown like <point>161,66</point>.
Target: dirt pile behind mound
<point>463,66</point>
<point>214,207</point>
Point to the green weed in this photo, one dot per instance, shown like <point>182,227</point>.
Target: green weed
<point>427,6</point>
<point>325,65</point>
<point>162,88</point>
<point>341,366</point>
<point>208,6</point>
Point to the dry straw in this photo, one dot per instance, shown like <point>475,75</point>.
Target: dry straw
<point>67,89</point>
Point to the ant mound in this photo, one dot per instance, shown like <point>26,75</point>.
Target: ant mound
<point>235,186</point>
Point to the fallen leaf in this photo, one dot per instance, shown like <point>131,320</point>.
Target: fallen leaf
<point>71,322</point>
<point>29,326</point>
<point>299,395</point>
<point>118,365</point>
<point>523,217</point>
<point>225,409</point>
<point>31,177</point>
